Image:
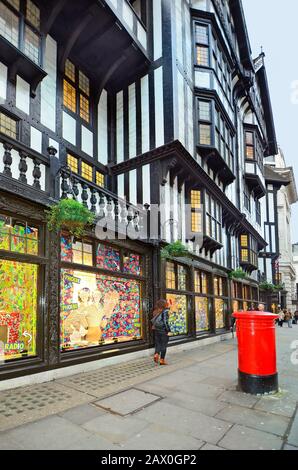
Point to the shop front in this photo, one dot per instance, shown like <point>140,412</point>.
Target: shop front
<point>198,301</point>
<point>102,299</point>
<point>245,297</point>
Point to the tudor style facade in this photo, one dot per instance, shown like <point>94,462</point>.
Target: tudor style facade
<point>127,106</point>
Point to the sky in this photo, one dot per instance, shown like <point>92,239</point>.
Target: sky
<point>273,25</point>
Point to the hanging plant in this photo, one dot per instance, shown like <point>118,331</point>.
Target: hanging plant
<point>175,250</point>
<point>238,274</point>
<point>71,215</point>
<point>267,286</point>
<point>279,287</point>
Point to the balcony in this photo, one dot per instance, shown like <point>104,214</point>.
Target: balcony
<point>217,163</point>
<point>41,179</point>
<point>255,179</point>
<point>101,37</point>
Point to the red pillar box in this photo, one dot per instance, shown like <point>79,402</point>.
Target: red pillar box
<point>257,373</point>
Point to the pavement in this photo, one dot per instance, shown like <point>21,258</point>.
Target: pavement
<point>192,404</point>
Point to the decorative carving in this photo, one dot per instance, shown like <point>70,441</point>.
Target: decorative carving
<point>53,299</point>
<point>23,167</point>
<point>7,160</point>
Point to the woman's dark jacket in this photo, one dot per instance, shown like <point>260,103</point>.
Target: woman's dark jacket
<point>162,326</point>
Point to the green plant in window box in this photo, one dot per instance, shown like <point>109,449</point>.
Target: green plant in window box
<point>267,286</point>
<point>71,215</point>
<point>279,287</point>
<point>238,274</point>
<point>175,250</point>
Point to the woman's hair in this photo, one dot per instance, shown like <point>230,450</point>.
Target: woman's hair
<point>85,289</point>
<point>159,306</point>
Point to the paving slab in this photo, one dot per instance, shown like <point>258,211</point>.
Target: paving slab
<point>174,379</point>
<point>127,402</point>
<point>53,433</point>
<point>205,406</point>
<point>82,414</point>
<point>243,438</point>
<point>93,442</point>
<point>185,421</point>
<point>281,404</point>
<point>8,443</point>
<point>287,447</point>
<point>255,419</point>
<point>238,398</point>
<point>115,429</point>
<point>202,390</point>
<point>159,438</point>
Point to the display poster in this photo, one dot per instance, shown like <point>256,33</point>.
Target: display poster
<point>219,313</point>
<point>178,314</point>
<point>98,309</point>
<point>18,309</point>
<point>202,321</point>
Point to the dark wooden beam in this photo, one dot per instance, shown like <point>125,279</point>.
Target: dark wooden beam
<point>55,11</point>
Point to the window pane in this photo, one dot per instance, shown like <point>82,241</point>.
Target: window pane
<point>32,43</point>
<point>219,313</point>
<point>87,171</point>
<point>244,241</point>
<point>196,222</point>
<point>9,25</point>
<point>70,70</point>
<point>202,36</point>
<point>195,199</point>
<point>69,96</point>
<point>202,322</point>
<point>178,314</point>
<point>33,14</point>
<point>107,258</point>
<point>205,134</point>
<point>84,83</point>
<point>73,163</point>
<point>132,264</point>
<point>18,308</point>
<point>84,108</point>
<point>249,138</point>
<point>250,152</point>
<point>170,276</point>
<point>14,3</point>
<point>202,56</point>
<point>8,126</point>
<point>182,273</point>
<point>205,110</point>
<point>100,179</point>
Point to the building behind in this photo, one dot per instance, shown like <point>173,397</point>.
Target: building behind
<point>128,106</point>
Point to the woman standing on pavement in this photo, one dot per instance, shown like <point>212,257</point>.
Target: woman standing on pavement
<point>160,325</point>
<point>281,317</point>
<point>288,318</point>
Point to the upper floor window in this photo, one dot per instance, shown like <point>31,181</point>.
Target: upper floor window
<point>20,25</point>
<point>205,125</point>
<point>85,170</point>
<point>224,140</point>
<point>176,276</point>
<point>253,147</point>
<point>8,126</point>
<point>196,215</point>
<point>202,45</point>
<point>248,250</point>
<point>76,91</point>
<point>213,219</point>
<point>201,282</point>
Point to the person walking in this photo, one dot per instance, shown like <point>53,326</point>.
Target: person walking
<point>288,318</point>
<point>161,328</point>
<point>281,317</point>
<point>261,308</point>
<point>296,317</point>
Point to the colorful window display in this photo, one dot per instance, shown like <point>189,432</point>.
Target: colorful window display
<point>202,321</point>
<point>98,309</point>
<point>219,313</point>
<point>18,309</point>
<point>132,264</point>
<point>77,252</point>
<point>108,258</point>
<point>178,314</point>
<point>18,237</point>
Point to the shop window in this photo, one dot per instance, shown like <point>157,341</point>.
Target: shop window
<point>8,126</point>
<point>108,258</point>
<point>82,253</point>
<point>201,282</point>
<point>201,311</point>
<point>219,313</point>
<point>170,276</point>
<point>98,309</point>
<point>87,171</point>
<point>182,277</point>
<point>18,309</point>
<point>132,264</point>
<point>76,91</point>
<point>18,237</point>
<point>178,314</point>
